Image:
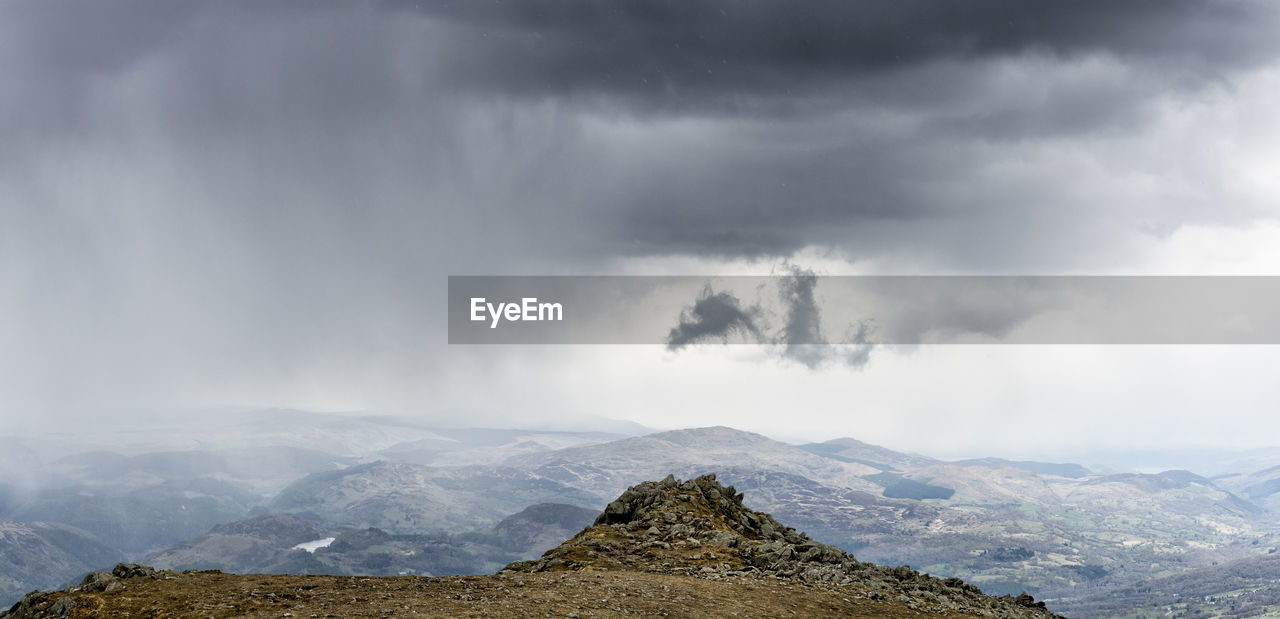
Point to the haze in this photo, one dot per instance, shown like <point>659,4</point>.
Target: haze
<point>212,206</point>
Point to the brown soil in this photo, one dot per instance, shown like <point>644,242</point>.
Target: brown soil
<point>585,593</point>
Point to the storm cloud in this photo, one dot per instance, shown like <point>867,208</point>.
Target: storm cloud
<point>714,316</point>
<point>642,128</point>
<point>802,332</point>
<point>257,200</point>
<point>723,54</point>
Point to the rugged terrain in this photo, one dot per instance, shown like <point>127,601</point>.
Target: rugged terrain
<point>701,528</point>
<point>664,548</point>
<point>1053,530</point>
<point>403,498</point>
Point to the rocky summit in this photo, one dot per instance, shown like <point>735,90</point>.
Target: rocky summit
<point>700,528</point>
<point>669,548</point>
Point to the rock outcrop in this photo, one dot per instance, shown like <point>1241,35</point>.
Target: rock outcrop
<point>700,528</point>
<point>38,605</point>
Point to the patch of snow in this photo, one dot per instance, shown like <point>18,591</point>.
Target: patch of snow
<point>314,545</point>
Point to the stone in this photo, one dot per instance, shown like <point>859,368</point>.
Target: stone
<point>61,608</point>
<point>132,570</point>
<point>96,581</point>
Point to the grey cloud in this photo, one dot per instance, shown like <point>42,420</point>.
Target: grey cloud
<point>714,316</point>
<point>206,194</point>
<point>876,133</point>
<point>802,330</point>
<point>803,322</point>
<point>858,344</point>
<point>802,336</point>
<point>717,316</point>
<point>732,55</point>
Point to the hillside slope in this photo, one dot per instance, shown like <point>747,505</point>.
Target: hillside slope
<point>42,554</point>
<point>413,499</point>
<point>1244,588</point>
<point>277,544</point>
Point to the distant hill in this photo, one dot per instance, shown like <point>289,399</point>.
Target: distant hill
<point>535,529</point>
<point>609,468</point>
<point>1073,471</point>
<point>40,555</point>
<point>853,450</point>
<point>255,545</point>
<point>1261,487</point>
<point>485,446</point>
<point>142,519</point>
<point>407,498</point>
<point>263,470</point>
<point>271,544</point>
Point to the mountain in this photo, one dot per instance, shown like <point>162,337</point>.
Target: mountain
<point>354,435</point>
<point>253,545</point>
<point>139,520</point>
<point>44,555</point>
<point>1006,526</point>
<point>345,435</point>
<point>287,545</point>
<point>485,446</point>
<point>701,527</point>
<point>278,544</point>
<point>672,548</point>
<point>853,450</point>
<point>146,502</point>
<point>1058,531</point>
<point>1211,463</point>
<point>1261,487</point>
<point>858,521</point>
<point>407,498</point>
<point>263,470</point>
<point>1074,471</point>
<point>1061,537</point>
<point>535,529</point>
<point>609,468</point>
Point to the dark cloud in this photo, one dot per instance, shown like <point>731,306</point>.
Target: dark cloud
<point>717,316</point>
<point>647,128</point>
<point>739,55</point>
<point>217,193</point>
<point>714,316</point>
<point>802,329</point>
<point>858,344</point>
<point>802,336</point>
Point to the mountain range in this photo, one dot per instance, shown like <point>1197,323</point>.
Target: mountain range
<point>675,548</point>
<point>1060,531</point>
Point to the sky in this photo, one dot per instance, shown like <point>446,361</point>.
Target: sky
<point>239,203</point>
